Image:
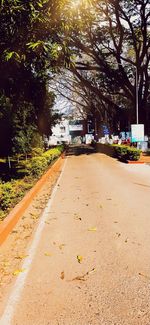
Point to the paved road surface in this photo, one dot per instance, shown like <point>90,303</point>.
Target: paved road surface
<point>91,265</point>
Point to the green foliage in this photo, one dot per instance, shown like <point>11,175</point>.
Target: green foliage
<point>37,141</point>
<point>121,151</point>
<point>11,192</point>
<point>52,154</point>
<point>38,165</point>
<point>37,152</point>
<point>7,195</point>
<point>127,153</point>
<point>28,49</point>
<point>133,154</point>
<point>23,128</point>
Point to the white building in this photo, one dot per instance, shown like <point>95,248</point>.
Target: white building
<point>60,133</point>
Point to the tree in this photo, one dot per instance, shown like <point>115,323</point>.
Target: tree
<point>111,41</point>
<point>28,43</point>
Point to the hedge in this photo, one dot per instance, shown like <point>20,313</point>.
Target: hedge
<point>126,153</point>
<point>11,192</point>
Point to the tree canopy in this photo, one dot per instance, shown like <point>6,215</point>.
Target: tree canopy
<point>103,44</point>
<point>28,42</point>
<point>111,41</point>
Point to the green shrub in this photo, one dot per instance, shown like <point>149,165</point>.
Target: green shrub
<point>26,167</point>
<point>52,154</point>
<point>37,152</point>
<point>127,153</point>
<point>121,151</point>
<point>38,165</point>
<point>133,154</point>
<point>7,195</point>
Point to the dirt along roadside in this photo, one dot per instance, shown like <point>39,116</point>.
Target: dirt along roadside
<point>91,264</point>
<point>13,250</point>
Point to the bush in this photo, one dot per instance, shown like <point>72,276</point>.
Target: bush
<point>127,153</point>
<point>133,154</point>
<point>7,195</point>
<point>38,165</point>
<point>121,151</point>
<point>37,152</point>
<point>52,154</point>
<point>11,192</point>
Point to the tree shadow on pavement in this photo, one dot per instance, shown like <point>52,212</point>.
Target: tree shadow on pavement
<point>82,149</point>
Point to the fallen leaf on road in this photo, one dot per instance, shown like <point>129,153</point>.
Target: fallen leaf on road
<point>62,275</point>
<point>47,254</point>
<point>76,217</point>
<point>47,222</point>
<point>82,277</point>
<point>92,271</point>
<point>118,234</point>
<point>92,229</point>
<point>79,278</point>
<point>79,258</point>
<point>14,232</point>
<point>21,257</point>
<point>145,276</point>
<point>18,271</point>
<point>35,217</point>
<point>101,207</point>
<point>109,199</point>
<point>61,246</point>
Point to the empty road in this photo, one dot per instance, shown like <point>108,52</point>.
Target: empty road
<point>89,260</point>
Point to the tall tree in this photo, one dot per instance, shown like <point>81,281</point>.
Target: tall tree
<point>28,55</point>
<point>111,40</point>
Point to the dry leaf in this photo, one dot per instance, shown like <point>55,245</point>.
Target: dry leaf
<point>76,217</point>
<point>61,246</point>
<point>145,276</point>
<point>82,277</point>
<point>47,254</point>
<point>92,229</point>
<point>21,257</point>
<point>18,271</point>
<point>79,258</point>
<point>62,275</point>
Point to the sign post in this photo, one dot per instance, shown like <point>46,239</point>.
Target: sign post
<point>137,133</point>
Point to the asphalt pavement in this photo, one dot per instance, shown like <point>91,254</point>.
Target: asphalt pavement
<point>89,260</point>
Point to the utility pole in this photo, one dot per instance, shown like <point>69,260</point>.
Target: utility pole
<point>137,95</point>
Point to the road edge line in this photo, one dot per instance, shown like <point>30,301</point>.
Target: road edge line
<point>20,281</point>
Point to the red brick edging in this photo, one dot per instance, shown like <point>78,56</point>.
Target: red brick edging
<point>10,221</point>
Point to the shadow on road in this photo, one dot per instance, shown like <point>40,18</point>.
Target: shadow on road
<point>82,149</point>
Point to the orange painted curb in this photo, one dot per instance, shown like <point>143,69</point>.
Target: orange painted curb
<point>134,162</point>
<point>10,221</point>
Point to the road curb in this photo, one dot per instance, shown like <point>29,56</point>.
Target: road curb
<point>135,162</point>
<point>11,220</point>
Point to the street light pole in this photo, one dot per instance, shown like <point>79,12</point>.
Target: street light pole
<point>137,96</point>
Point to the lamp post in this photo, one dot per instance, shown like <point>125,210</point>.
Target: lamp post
<point>137,95</point>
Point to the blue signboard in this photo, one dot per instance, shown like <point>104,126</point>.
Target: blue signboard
<point>105,130</point>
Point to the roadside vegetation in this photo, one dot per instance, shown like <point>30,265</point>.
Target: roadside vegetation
<point>126,153</point>
<point>22,175</point>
